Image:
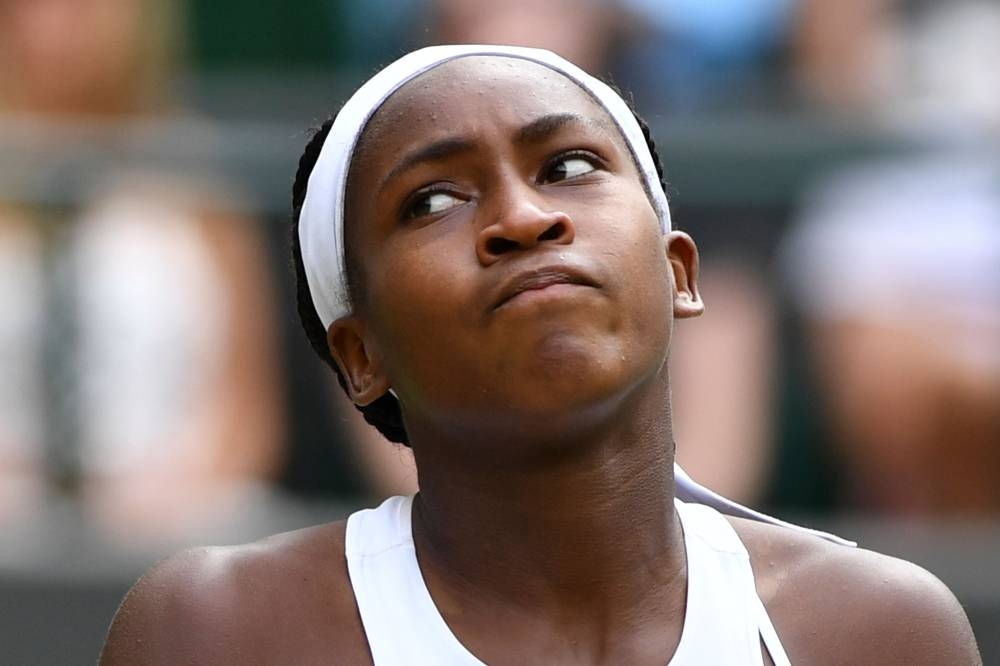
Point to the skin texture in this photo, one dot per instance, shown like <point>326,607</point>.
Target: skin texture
<point>537,426</point>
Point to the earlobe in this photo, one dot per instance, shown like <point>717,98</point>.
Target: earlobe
<point>360,367</point>
<point>683,256</point>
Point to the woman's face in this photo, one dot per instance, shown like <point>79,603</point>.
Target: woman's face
<point>513,266</point>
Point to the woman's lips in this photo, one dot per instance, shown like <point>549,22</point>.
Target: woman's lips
<point>541,283</point>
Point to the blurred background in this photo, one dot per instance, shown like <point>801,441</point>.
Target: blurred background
<point>837,162</point>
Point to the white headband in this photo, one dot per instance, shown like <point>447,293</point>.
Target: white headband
<point>321,220</point>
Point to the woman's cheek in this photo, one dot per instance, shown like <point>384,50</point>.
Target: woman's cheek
<point>417,288</point>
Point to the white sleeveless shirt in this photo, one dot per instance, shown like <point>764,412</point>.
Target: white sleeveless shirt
<point>724,622</point>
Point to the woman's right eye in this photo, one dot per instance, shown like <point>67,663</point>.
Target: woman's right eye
<point>430,203</point>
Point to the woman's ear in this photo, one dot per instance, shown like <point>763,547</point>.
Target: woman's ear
<point>683,256</point>
<point>359,364</point>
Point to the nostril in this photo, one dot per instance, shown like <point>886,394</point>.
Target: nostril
<point>499,245</point>
<point>553,232</point>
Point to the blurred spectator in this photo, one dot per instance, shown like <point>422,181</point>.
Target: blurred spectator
<point>896,268</point>
<point>689,55</point>
<point>582,31</point>
<point>915,62</point>
<point>85,57</point>
<point>722,381</point>
<point>681,56</point>
<point>844,51</point>
<point>22,456</point>
<point>949,80</point>
<point>261,61</point>
<point>139,320</point>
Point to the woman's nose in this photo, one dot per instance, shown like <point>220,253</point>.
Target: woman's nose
<point>523,223</point>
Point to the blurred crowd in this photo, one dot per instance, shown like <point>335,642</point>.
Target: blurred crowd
<point>152,374</point>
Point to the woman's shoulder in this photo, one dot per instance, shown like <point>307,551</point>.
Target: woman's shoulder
<point>285,599</point>
<point>837,604</point>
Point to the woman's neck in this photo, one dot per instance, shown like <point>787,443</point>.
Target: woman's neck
<point>591,527</point>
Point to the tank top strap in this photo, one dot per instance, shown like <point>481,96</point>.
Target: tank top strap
<point>692,492</point>
<point>719,626</point>
<point>770,637</point>
<point>401,622</point>
<point>722,593</point>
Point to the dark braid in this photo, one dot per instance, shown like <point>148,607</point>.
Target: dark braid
<point>648,136</point>
<point>384,414</point>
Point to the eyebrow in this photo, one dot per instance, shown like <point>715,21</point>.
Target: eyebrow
<point>542,128</point>
<point>535,131</point>
<point>432,152</point>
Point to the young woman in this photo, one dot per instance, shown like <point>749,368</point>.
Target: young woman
<point>489,263</point>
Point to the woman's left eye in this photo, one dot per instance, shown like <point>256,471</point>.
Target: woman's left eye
<point>569,166</point>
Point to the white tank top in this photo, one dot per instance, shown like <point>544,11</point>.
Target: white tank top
<point>724,622</point>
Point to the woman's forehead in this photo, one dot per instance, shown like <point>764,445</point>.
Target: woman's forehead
<point>458,90</point>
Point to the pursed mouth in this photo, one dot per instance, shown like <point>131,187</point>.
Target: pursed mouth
<point>540,279</point>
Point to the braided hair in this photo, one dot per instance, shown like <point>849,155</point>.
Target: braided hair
<point>384,413</point>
